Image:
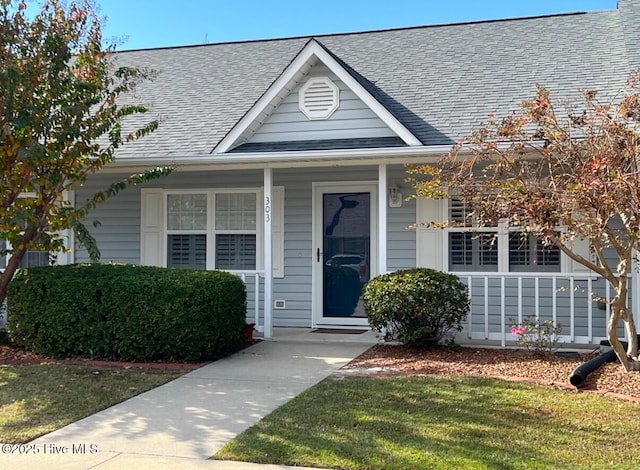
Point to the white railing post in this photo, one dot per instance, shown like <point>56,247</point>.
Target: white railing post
<point>503,306</point>
<point>519,299</point>
<point>590,309</point>
<point>536,282</point>
<point>3,312</point>
<point>486,307</point>
<point>635,287</point>
<point>256,306</point>
<point>554,300</point>
<point>470,319</point>
<point>572,309</point>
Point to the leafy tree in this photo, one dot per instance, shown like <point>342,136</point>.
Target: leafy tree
<point>563,172</point>
<point>61,119</point>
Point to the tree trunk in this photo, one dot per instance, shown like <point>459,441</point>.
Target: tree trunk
<point>619,311</point>
<point>12,266</point>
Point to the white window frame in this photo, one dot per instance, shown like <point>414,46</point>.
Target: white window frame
<point>55,258</point>
<point>502,232</point>
<point>211,231</point>
<point>169,232</point>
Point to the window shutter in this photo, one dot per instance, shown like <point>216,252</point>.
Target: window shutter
<point>429,240</point>
<point>277,231</point>
<point>151,230</point>
<point>582,247</point>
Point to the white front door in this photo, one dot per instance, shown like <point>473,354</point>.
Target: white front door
<point>345,248</point>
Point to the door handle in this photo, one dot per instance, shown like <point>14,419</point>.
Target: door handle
<point>318,255</point>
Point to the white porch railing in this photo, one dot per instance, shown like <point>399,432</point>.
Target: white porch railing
<point>252,279</point>
<point>3,312</point>
<point>566,298</point>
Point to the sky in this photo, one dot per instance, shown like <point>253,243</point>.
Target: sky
<point>139,24</point>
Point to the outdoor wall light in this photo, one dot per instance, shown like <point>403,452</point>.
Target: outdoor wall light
<point>395,196</point>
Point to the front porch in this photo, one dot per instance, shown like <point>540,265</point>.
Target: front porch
<point>497,299</point>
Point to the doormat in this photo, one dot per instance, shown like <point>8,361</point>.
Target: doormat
<point>337,331</point>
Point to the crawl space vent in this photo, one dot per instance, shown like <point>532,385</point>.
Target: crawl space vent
<point>319,98</point>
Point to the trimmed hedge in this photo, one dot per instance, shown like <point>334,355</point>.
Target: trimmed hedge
<point>416,306</point>
<point>126,312</point>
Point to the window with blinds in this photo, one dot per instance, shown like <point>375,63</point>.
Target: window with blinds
<point>528,253</point>
<point>31,259</point>
<point>235,229</point>
<point>187,251</point>
<point>459,212</point>
<point>473,251</point>
<point>235,251</point>
<point>481,249</point>
<point>226,219</point>
<point>187,225</point>
<point>470,250</point>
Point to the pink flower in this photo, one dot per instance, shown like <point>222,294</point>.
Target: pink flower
<point>517,330</point>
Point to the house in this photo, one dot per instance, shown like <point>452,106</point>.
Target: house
<point>290,153</point>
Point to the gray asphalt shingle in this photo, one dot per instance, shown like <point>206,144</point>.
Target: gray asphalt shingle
<point>439,81</point>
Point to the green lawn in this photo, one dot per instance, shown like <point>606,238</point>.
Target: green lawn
<point>37,399</point>
<point>443,423</point>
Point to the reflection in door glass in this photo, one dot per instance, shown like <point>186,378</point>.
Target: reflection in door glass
<point>346,248</point>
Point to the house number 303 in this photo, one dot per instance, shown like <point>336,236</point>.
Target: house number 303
<point>267,209</point>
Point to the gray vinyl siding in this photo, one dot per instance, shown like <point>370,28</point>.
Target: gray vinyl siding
<point>295,287</point>
<point>353,119</point>
<point>401,239</point>
<point>118,235</point>
<point>118,238</point>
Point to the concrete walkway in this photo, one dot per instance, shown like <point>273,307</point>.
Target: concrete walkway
<point>181,424</point>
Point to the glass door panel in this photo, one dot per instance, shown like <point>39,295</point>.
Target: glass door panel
<point>346,247</point>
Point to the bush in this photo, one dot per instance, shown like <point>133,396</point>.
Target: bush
<point>416,306</point>
<point>125,312</point>
<point>537,336</point>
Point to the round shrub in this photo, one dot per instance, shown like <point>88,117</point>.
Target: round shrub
<point>125,312</point>
<point>416,306</point>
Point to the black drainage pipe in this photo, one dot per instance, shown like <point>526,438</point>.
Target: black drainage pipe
<point>579,375</point>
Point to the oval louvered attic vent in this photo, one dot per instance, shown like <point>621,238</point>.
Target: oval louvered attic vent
<point>319,98</point>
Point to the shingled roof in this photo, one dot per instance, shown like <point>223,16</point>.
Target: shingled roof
<point>438,81</point>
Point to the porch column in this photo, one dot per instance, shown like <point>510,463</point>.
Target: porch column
<point>382,218</point>
<point>635,287</point>
<point>268,253</point>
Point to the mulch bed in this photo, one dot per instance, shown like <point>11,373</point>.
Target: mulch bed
<point>511,364</point>
<point>10,355</point>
